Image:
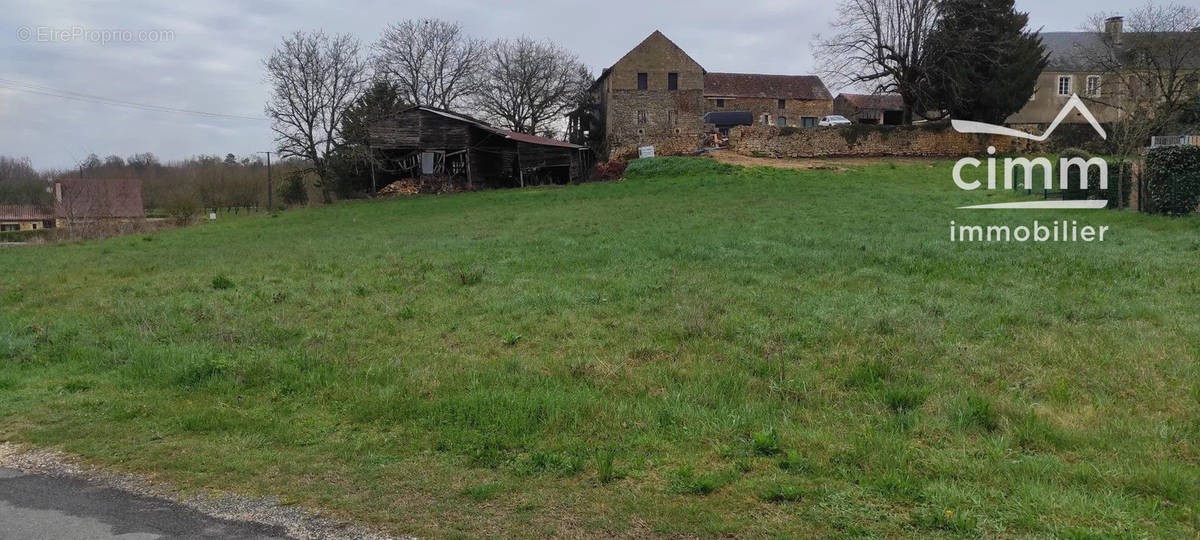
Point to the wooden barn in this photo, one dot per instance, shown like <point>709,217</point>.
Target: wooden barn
<point>424,141</point>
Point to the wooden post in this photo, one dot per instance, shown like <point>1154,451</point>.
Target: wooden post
<point>467,156</point>
<point>520,169</point>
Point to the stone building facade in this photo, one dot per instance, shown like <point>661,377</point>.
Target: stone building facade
<point>656,94</point>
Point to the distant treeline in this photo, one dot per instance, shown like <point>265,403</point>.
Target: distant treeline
<point>197,182</point>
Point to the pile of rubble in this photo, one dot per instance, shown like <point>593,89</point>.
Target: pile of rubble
<point>412,186</point>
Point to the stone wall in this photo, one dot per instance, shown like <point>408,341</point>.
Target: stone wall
<point>931,140</point>
<point>672,117</point>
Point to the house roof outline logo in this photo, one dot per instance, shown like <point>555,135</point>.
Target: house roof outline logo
<point>968,126</point>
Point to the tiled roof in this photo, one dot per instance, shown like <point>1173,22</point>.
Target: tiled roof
<point>1077,51</point>
<point>94,198</point>
<point>883,102</point>
<point>1069,50</point>
<point>754,85</point>
<point>23,212</point>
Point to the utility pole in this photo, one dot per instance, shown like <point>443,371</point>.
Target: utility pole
<point>270,201</point>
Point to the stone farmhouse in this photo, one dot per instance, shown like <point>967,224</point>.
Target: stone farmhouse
<point>1072,69</point>
<point>658,95</point>
<point>1068,72</point>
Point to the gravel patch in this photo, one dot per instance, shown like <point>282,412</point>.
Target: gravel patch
<point>299,522</point>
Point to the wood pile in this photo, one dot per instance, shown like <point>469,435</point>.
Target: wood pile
<point>413,186</point>
<point>400,188</point>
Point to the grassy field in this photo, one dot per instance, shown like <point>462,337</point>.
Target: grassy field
<point>696,350</point>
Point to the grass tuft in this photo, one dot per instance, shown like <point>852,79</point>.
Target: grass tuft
<point>686,481</point>
<point>765,443</point>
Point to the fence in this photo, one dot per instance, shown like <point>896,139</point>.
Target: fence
<point>1174,140</point>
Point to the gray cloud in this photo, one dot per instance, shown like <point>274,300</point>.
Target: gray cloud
<point>213,61</point>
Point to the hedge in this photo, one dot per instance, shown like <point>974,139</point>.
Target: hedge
<point>1172,179</point>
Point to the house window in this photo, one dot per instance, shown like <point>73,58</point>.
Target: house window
<point>1064,85</point>
<point>766,118</point>
<point>9,227</point>
<point>720,103</point>
<point>642,117</point>
<point>782,104</point>
<point>672,81</point>
<point>781,121</point>
<point>808,121</point>
<point>643,81</point>
<point>672,118</point>
<point>1093,85</point>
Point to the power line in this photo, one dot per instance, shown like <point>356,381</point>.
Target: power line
<point>88,98</point>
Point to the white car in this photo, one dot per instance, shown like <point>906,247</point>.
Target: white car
<point>834,120</point>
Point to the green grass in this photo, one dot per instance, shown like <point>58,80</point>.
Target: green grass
<point>697,350</point>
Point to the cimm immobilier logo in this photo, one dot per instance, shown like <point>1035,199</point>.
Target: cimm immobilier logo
<point>1029,165</point>
<point>1054,231</point>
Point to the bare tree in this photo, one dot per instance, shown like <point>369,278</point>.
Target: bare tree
<point>531,84</point>
<point>880,44</point>
<point>432,62</point>
<point>1150,62</point>
<point>1150,71</point>
<point>313,79</point>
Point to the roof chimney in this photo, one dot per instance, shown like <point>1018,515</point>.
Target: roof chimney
<point>1113,27</point>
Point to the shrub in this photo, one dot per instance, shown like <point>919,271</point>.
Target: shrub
<point>610,170</point>
<point>1172,179</point>
<point>293,191</point>
<point>221,283</point>
<point>182,206</point>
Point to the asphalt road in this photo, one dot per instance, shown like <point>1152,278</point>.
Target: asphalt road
<point>35,506</point>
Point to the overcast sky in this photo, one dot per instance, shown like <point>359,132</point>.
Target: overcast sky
<point>207,56</point>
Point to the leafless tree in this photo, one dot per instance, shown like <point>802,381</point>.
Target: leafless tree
<point>313,78</point>
<point>1150,70</point>
<point>432,62</point>
<point>530,84</point>
<point>1151,67</point>
<point>880,44</point>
